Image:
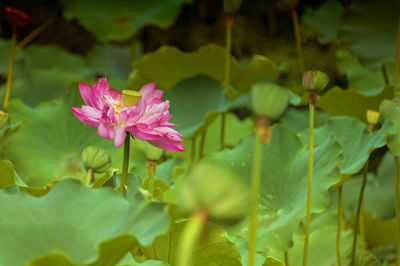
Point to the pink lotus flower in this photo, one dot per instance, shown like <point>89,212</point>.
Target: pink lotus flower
<point>148,120</point>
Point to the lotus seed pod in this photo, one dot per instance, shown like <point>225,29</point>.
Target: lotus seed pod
<point>269,100</point>
<point>232,6</point>
<point>372,117</point>
<point>130,97</point>
<point>3,119</point>
<point>152,152</point>
<point>315,80</point>
<point>97,159</point>
<point>219,191</point>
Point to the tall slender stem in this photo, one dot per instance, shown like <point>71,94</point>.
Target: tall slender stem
<point>396,60</point>
<point>339,226</point>
<point>297,37</point>
<point>10,69</point>
<point>202,141</point>
<point>228,45</point>
<point>33,34</point>
<point>255,183</point>
<point>125,165</point>
<point>361,226</point>
<point>385,75</point>
<point>89,176</point>
<point>310,177</point>
<point>222,131</point>
<point>356,226</point>
<point>193,155</point>
<point>286,254</point>
<point>190,236</point>
<point>396,198</point>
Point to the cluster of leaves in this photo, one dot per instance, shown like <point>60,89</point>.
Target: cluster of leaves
<point>49,217</point>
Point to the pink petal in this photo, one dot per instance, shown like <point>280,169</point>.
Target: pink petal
<point>147,88</point>
<point>106,131</point>
<point>120,135</point>
<point>144,133</point>
<point>87,95</point>
<point>168,145</point>
<point>116,95</point>
<point>87,115</point>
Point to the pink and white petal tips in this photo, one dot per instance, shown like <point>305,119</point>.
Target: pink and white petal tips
<point>148,120</point>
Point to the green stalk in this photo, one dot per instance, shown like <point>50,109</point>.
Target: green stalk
<point>193,155</point>
<point>356,226</point>
<point>10,69</point>
<point>125,165</point>
<point>89,176</point>
<point>396,198</point>
<point>202,141</point>
<point>310,176</point>
<point>339,226</point>
<point>222,131</point>
<point>151,183</point>
<point>228,46</point>
<point>190,236</point>
<point>255,183</point>
<point>286,254</point>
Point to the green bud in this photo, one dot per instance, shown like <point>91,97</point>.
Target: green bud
<point>3,119</point>
<point>96,158</point>
<point>372,117</point>
<point>219,191</point>
<point>315,80</point>
<point>232,6</point>
<point>152,152</point>
<point>269,100</point>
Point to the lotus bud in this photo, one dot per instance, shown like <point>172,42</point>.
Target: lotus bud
<point>269,100</point>
<point>315,80</point>
<point>97,159</point>
<point>3,119</point>
<point>372,117</point>
<point>217,190</point>
<point>152,152</point>
<point>130,97</point>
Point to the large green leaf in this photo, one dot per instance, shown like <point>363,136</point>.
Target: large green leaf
<point>297,118</point>
<point>119,20</point>
<point>349,102</point>
<point>379,191</point>
<point>70,222</point>
<point>49,145</point>
<point>324,20</point>
<point>356,140</point>
<point>369,28</point>
<point>360,78</point>
<point>168,65</point>
<point>284,182</point>
<point>214,247</point>
<point>195,102</point>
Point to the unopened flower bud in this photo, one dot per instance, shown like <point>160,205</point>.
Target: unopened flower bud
<point>130,97</point>
<point>152,152</point>
<point>269,100</point>
<point>96,158</point>
<point>315,80</point>
<point>3,119</point>
<point>372,117</point>
<point>218,191</point>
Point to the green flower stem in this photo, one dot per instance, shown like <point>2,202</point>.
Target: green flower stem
<point>385,75</point>
<point>297,37</point>
<point>222,131</point>
<point>310,176</point>
<point>396,60</point>
<point>190,236</point>
<point>286,254</point>
<point>396,198</point>
<point>89,176</point>
<point>125,165</point>
<point>193,152</point>
<point>358,214</point>
<point>339,226</point>
<point>33,34</point>
<point>10,69</point>
<point>151,182</point>
<point>202,141</point>
<point>255,183</point>
<point>228,45</point>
